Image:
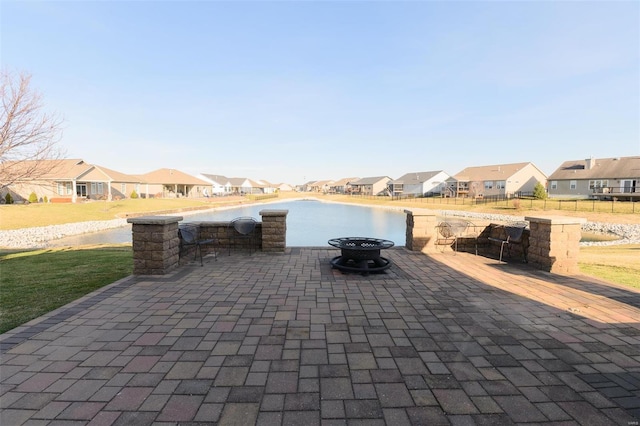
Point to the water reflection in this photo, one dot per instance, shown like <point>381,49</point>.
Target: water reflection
<point>309,224</point>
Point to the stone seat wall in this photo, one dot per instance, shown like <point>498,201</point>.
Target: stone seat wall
<point>551,242</point>
<point>156,244</point>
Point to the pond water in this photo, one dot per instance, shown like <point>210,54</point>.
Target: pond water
<point>309,223</point>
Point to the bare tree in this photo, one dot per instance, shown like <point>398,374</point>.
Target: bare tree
<point>28,135</point>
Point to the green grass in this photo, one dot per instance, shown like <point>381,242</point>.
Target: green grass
<point>614,274</point>
<point>33,283</point>
<point>617,264</point>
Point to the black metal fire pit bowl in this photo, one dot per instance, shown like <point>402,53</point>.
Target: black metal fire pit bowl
<point>360,254</point>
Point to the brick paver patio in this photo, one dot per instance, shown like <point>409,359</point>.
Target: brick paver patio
<point>284,339</point>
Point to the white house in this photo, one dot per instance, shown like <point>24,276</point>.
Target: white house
<point>419,183</point>
<point>220,185</point>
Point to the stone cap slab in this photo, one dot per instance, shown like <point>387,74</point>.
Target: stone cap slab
<point>274,212</point>
<point>154,220</point>
<point>556,220</point>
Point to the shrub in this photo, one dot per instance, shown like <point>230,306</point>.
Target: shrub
<point>134,194</point>
<point>516,203</point>
<point>539,193</point>
<point>8,198</point>
<point>45,199</point>
<point>33,198</point>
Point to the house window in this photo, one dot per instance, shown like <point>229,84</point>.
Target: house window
<point>593,184</point>
<point>554,184</point>
<point>64,188</point>
<point>501,184</point>
<point>96,187</point>
<point>488,184</point>
<point>573,184</point>
<point>123,188</point>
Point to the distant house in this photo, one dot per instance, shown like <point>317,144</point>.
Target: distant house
<point>261,187</point>
<point>602,178</point>
<point>220,185</point>
<point>72,180</point>
<point>284,187</point>
<point>120,185</point>
<point>305,187</point>
<point>321,186</point>
<point>342,186</point>
<point>267,187</point>
<point>495,180</point>
<point>241,186</point>
<point>377,185</point>
<point>172,183</point>
<point>419,184</point>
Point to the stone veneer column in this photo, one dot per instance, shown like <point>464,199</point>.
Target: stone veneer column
<point>421,229</point>
<point>274,230</point>
<point>554,243</point>
<point>156,245</point>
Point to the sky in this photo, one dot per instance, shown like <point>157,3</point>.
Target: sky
<point>294,91</point>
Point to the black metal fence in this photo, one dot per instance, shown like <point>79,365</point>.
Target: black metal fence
<point>523,201</point>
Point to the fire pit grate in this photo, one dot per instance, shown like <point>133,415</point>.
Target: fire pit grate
<point>360,254</point>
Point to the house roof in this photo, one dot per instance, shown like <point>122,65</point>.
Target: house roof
<point>172,176</point>
<point>116,176</point>
<point>607,168</point>
<point>258,184</point>
<point>67,169</point>
<point>493,172</point>
<point>219,179</point>
<point>322,183</point>
<point>238,181</point>
<point>370,180</point>
<point>344,181</point>
<point>416,177</point>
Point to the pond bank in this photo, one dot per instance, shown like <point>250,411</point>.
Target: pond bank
<point>39,237</point>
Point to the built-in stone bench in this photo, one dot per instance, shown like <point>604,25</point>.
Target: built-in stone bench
<point>552,242</point>
<point>156,244</point>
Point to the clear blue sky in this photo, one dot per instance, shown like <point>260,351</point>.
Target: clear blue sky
<point>307,90</point>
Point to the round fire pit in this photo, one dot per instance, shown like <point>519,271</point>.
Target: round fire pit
<point>360,254</point>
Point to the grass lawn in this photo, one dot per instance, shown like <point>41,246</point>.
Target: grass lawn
<point>616,264</point>
<point>33,283</point>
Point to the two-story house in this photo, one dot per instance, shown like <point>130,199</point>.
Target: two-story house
<point>376,185</point>
<point>597,178</point>
<point>495,180</point>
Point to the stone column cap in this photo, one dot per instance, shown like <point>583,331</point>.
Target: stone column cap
<point>556,220</point>
<point>154,220</point>
<point>273,212</point>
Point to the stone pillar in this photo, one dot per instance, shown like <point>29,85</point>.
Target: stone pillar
<point>274,230</point>
<point>421,230</point>
<point>554,243</point>
<point>156,245</point>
